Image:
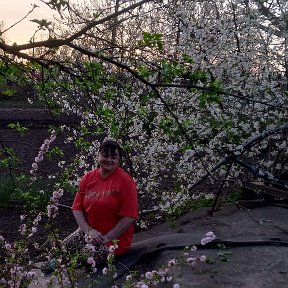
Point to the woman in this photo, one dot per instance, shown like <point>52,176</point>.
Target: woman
<point>105,207</point>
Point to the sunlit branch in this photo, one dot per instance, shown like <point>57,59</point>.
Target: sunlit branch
<point>270,30</point>
<point>52,43</point>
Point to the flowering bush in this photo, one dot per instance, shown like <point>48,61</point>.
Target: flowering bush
<point>18,268</point>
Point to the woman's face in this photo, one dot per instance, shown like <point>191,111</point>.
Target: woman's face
<point>108,162</point>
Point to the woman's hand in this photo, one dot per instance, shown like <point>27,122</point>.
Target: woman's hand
<point>91,235</point>
<point>105,239</point>
<point>94,237</point>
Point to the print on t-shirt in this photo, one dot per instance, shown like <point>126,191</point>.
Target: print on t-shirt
<point>94,194</point>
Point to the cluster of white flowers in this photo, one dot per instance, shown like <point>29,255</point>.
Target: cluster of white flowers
<point>43,150</point>
<point>15,272</point>
<point>209,237</point>
<point>52,208</point>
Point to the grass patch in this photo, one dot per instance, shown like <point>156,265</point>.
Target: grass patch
<point>20,190</point>
<point>202,202</point>
<point>188,206</point>
<point>7,191</point>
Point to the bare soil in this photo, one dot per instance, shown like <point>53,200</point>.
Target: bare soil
<point>26,147</point>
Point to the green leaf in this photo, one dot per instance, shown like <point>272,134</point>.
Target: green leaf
<point>144,71</point>
<point>82,144</point>
<point>198,75</point>
<point>216,86</point>
<point>210,260</point>
<point>21,129</point>
<point>55,151</point>
<point>172,70</point>
<point>151,40</point>
<point>187,59</point>
<point>8,92</point>
<point>221,246</point>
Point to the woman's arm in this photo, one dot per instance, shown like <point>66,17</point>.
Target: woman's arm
<point>122,225</point>
<point>84,226</point>
<point>81,220</point>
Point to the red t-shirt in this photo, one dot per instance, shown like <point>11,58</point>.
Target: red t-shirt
<point>105,200</point>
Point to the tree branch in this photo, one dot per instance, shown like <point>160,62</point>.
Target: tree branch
<point>244,98</point>
<point>52,43</point>
<point>154,89</point>
<point>34,6</point>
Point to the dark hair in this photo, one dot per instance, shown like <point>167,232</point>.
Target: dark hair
<point>108,147</point>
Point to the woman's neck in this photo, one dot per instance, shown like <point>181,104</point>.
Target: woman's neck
<point>104,173</point>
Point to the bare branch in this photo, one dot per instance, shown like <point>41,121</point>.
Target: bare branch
<point>52,43</point>
<point>34,6</point>
<point>244,98</point>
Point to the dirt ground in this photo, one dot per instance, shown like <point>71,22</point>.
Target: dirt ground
<point>26,147</point>
<point>10,223</point>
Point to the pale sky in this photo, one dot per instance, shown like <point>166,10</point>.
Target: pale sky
<point>12,11</point>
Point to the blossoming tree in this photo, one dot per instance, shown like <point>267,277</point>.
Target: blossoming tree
<point>179,83</point>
